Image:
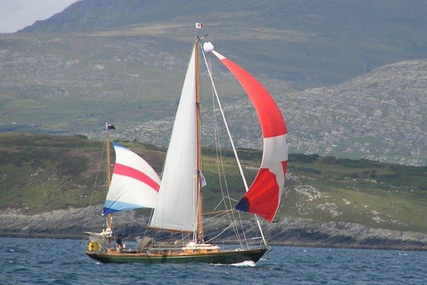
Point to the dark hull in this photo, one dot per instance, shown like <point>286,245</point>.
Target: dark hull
<point>223,257</point>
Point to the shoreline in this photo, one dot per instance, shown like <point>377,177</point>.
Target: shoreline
<point>273,244</point>
<point>295,232</point>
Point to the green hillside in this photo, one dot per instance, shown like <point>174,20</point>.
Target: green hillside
<point>41,173</point>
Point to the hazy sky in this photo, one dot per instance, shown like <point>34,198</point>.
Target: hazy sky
<point>17,14</point>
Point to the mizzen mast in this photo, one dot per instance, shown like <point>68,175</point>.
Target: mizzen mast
<point>109,216</point>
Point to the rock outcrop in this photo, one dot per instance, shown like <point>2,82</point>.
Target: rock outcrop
<point>73,222</point>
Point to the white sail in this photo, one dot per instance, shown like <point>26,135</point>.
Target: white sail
<point>176,207</point>
<point>134,185</point>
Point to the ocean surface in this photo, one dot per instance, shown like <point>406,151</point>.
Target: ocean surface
<point>38,261</point>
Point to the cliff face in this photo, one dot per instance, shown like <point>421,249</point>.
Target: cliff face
<point>73,222</point>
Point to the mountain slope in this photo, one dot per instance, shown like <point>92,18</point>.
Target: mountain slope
<point>130,71</point>
<point>309,43</point>
<point>70,84</point>
<point>378,116</point>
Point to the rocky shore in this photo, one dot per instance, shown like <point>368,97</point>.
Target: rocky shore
<point>71,223</point>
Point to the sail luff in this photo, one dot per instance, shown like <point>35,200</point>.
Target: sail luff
<point>176,207</point>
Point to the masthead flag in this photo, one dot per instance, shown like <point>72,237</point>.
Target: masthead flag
<point>199,26</point>
<point>109,127</point>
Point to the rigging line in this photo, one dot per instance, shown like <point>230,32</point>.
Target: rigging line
<point>96,182</point>
<point>232,143</point>
<point>221,170</point>
<point>231,216</point>
<point>231,225</point>
<point>220,164</point>
<point>208,241</point>
<point>149,221</point>
<point>220,202</point>
<point>227,128</point>
<point>234,218</point>
<point>243,229</point>
<point>220,161</point>
<point>183,237</point>
<point>230,198</point>
<point>228,206</point>
<point>235,228</point>
<point>215,216</point>
<point>222,177</point>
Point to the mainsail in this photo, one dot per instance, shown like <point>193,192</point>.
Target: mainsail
<point>263,197</point>
<point>176,208</point>
<point>134,185</point>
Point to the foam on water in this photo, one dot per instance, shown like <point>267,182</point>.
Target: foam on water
<point>239,264</point>
<point>244,264</point>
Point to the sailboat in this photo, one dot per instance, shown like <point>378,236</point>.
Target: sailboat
<point>176,198</point>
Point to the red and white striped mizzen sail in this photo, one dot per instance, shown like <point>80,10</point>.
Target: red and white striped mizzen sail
<point>135,184</point>
<point>263,197</point>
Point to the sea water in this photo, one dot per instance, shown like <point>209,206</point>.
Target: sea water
<point>38,261</point>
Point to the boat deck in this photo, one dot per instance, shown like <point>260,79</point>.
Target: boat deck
<point>178,256</point>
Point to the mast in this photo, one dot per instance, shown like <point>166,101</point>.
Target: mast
<point>109,216</point>
<point>199,234</point>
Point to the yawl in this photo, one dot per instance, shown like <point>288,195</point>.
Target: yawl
<point>177,197</point>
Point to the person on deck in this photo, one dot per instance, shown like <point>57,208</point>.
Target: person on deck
<point>119,245</point>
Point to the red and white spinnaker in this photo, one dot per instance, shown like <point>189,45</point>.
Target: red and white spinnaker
<point>263,197</point>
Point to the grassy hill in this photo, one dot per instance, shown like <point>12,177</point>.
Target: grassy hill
<point>41,173</point>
